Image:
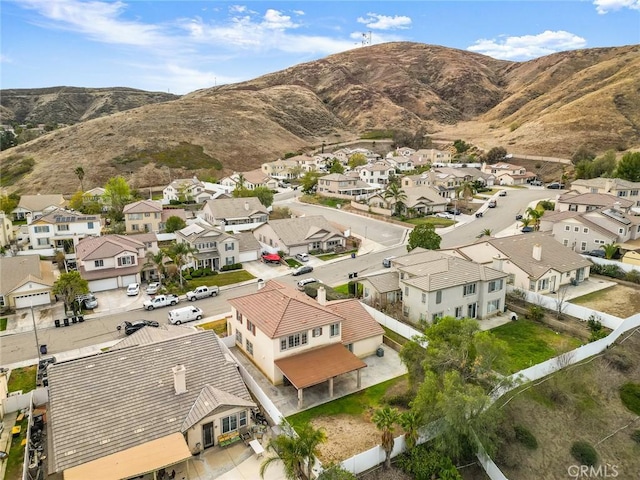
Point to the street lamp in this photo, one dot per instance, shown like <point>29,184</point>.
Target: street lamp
<point>35,331</point>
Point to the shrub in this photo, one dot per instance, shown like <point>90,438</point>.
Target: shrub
<point>187,276</point>
<point>196,273</point>
<point>535,312</point>
<point>618,360</point>
<point>584,453</point>
<point>630,396</point>
<point>234,266</point>
<point>635,436</point>
<point>525,437</point>
<point>632,276</point>
<point>422,462</point>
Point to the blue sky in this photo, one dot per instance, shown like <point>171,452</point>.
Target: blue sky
<point>181,46</point>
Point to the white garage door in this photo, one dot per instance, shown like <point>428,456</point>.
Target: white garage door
<point>127,279</point>
<point>104,284</point>
<point>26,301</point>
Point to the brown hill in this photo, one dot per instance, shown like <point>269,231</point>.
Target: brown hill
<point>548,106</point>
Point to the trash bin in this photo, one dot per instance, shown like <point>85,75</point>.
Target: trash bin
<point>380,352</point>
<point>353,254</point>
<point>350,275</point>
<point>80,318</point>
<point>66,321</point>
<point>74,320</point>
<point>57,322</point>
<point>43,349</point>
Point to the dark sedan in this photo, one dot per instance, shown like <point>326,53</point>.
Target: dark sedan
<point>302,270</point>
<point>132,327</point>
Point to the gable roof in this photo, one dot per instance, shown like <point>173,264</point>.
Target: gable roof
<point>143,206</point>
<point>606,183</point>
<point>210,400</point>
<point>597,199</point>
<point>423,193</point>
<point>37,203</point>
<point>579,217</point>
<point>247,242</point>
<point>301,230</point>
<point>60,215</point>
<point>107,246</point>
<point>384,282</point>
<point>16,271</point>
<point>256,176</point>
<point>235,207</point>
<point>128,395</point>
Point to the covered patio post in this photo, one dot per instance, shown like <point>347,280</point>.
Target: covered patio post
<point>300,397</point>
<point>331,387</point>
<point>358,376</point>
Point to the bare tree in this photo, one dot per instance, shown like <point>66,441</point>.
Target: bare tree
<point>561,301</point>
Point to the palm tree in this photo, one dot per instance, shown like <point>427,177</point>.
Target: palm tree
<point>295,449</point>
<point>610,249</point>
<point>535,215</point>
<point>180,253</point>
<point>526,221</point>
<point>157,260</point>
<point>79,171</point>
<point>465,190</point>
<point>410,422</point>
<point>385,420</point>
<point>485,233</point>
<point>395,192</point>
<point>240,181</point>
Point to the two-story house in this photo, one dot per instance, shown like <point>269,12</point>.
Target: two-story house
<point>235,214</point>
<point>34,206</point>
<point>611,186</point>
<point>153,404</point>
<point>62,230</point>
<point>182,189</point>
<point>300,235</point>
<point>536,261</point>
<point>288,335</point>
<point>250,180</point>
<point>431,156</point>
<point>214,247</point>
<point>419,201</point>
<point>376,174</point>
<point>110,261</point>
<point>342,186</point>
<point>282,169</point>
<point>585,202</point>
<point>143,216</point>
<point>7,235</point>
<point>508,174</point>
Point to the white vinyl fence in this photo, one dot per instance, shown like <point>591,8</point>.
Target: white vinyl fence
<point>391,323</point>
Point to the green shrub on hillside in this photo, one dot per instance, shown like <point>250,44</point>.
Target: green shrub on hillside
<point>525,437</point>
<point>584,453</point>
<point>422,462</point>
<point>630,396</point>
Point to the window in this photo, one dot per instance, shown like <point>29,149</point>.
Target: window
<point>242,418</point>
<point>469,289</point>
<point>543,284</point>
<point>98,263</point>
<point>495,285</point>
<point>63,228</point>
<point>147,214</point>
<point>249,347</point>
<point>230,423</point>
<point>230,260</point>
<point>622,193</point>
<point>90,225</point>
<point>126,261</point>
<point>439,296</point>
<point>293,341</point>
<point>422,317</point>
<point>239,337</point>
<point>424,297</point>
<point>621,231</point>
<point>42,229</point>
<point>229,246</point>
<point>567,228</point>
<point>493,305</point>
<point>135,227</point>
<point>583,246</point>
<point>458,312</point>
<point>251,327</point>
<point>585,230</point>
<point>406,291</point>
<point>634,193</point>
<point>43,241</point>
<point>334,329</point>
<point>239,317</point>
<point>436,316</point>
<point>565,242</point>
<point>576,229</point>
<point>135,216</point>
<point>573,208</point>
<point>316,332</point>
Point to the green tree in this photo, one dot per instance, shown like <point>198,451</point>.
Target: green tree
<point>336,167</point>
<point>495,155</point>
<point>581,154</point>
<point>336,472</point>
<point>157,260</point>
<point>310,181</point>
<point>605,165</point>
<point>466,190</point>
<point>117,194</point>
<point>385,419</point>
<point>610,250</point>
<point>79,171</point>
<point>461,146</point>
<point>240,181</point>
<point>9,202</point>
<point>296,171</point>
<point>629,167</point>
<point>357,159</point>
<point>397,195</point>
<point>68,286</point>
<point>294,449</point>
<point>174,224</point>
<point>264,195</point>
<point>547,205</point>
<point>180,253</point>
<point>486,232</point>
<point>424,236</point>
<point>535,215</point>
<point>7,140</point>
<point>76,202</point>
<point>410,422</point>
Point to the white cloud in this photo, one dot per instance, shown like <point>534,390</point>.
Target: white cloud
<point>298,12</point>
<point>385,22</point>
<point>5,59</point>
<point>276,20</point>
<point>237,8</point>
<point>527,47</point>
<point>605,6</point>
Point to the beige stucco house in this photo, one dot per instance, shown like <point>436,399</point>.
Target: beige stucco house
<point>7,234</point>
<point>289,335</point>
<point>26,281</point>
<point>34,206</point>
<point>611,186</point>
<point>143,216</point>
<point>342,186</point>
<point>235,214</point>
<point>300,235</point>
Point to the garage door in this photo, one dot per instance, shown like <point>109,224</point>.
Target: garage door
<point>26,301</point>
<point>102,285</point>
<point>127,279</point>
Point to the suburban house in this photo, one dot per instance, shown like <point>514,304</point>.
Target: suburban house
<point>419,201</point>
<point>300,235</point>
<point>585,231</point>
<point>148,407</point>
<point>96,196</point>
<point>250,180</point>
<point>110,261</point>
<point>143,216</point>
<point>62,230</point>
<point>283,169</point>
<point>291,336</point>
<point>585,202</point>
<point>468,174</point>
<point>508,174</point>
<point>376,174</point>
<point>536,261</point>
<point>381,289</point>
<point>611,186</point>
<point>235,214</point>
<point>431,156</point>
<point>7,234</point>
<point>26,281</point>
<point>401,163</point>
<point>214,247</point>
<point>34,206</point>
<point>341,186</point>
<point>192,189</point>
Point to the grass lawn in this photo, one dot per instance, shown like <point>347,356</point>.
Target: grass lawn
<point>344,288</point>
<point>23,379</point>
<point>219,326</point>
<point>222,279</point>
<point>16,454</point>
<point>3,324</point>
<point>292,262</point>
<point>354,404</point>
<point>435,221</point>
<point>329,256</point>
<point>530,343</point>
<point>326,201</point>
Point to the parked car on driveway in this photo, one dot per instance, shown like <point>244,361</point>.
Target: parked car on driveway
<point>305,281</point>
<point>302,270</point>
<point>444,215</point>
<point>555,185</point>
<point>454,211</point>
<point>133,289</point>
<point>596,253</point>
<point>503,193</point>
<point>132,327</point>
<point>536,183</point>
<point>303,257</point>
<point>153,288</point>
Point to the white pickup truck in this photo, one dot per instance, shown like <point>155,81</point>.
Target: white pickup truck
<point>202,292</point>
<point>161,301</point>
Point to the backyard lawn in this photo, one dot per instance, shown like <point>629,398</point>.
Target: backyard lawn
<point>222,279</point>
<point>530,343</point>
<point>219,326</point>
<point>619,300</point>
<point>23,379</point>
<point>435,221</point>
<point>3,324</point>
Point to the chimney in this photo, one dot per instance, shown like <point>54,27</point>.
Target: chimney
<point>246,206</point>
<point>537,252</point>
<point>497,263</point>
<point>616,205</point>
<point>179,379</point>
<point>322,295</point>
<point>608,185</point>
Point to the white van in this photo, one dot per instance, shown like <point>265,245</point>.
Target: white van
<point>185,314</point>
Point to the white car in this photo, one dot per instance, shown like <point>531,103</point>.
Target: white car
<point>153,288</point>
<point>444,215</point>
<point>303,257</point>
<point>133,289</point>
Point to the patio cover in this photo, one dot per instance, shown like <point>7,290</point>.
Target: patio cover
<point>272,257</point>
<point>316,366</point>
<point>146,458</point>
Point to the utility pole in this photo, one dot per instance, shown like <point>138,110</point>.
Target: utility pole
<point>35,331</point>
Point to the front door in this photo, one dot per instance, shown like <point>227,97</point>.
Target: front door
<point>207,435</point>
<point>472,310</point>
<point>552,284</point>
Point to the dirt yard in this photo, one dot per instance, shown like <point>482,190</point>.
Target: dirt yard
<point>619,300</point>
<point>348,435</point>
